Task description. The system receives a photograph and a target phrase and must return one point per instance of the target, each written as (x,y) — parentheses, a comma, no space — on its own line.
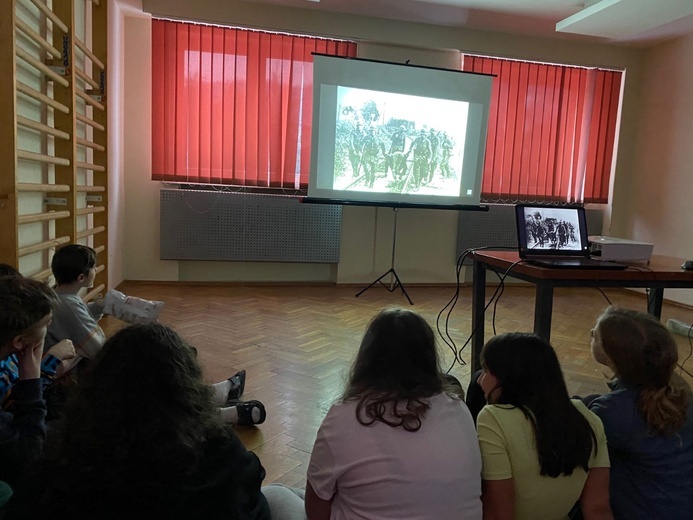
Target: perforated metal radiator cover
(215,225)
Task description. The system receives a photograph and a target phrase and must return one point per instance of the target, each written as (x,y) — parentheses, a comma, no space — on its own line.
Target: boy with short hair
(52,359)
(25,312)
(74,268)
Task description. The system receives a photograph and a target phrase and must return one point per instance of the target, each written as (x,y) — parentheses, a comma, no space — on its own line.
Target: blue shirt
(651,475)
(9,375)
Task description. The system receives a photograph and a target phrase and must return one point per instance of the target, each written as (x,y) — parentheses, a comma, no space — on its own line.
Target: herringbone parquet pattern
(297,344)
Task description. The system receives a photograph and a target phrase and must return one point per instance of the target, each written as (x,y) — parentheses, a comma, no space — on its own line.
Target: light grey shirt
(75,320)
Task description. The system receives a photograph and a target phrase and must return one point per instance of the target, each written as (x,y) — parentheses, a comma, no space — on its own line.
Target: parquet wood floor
(297,343)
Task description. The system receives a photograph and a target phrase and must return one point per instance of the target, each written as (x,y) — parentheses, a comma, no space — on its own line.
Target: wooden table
(661,273)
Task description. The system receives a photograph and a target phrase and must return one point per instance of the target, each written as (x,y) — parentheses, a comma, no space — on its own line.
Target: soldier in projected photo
(435,154)
(395,162)
(389,154)
(369,156)
(421,153)
(397,140)
(446,147)
(549,232)
(355,149)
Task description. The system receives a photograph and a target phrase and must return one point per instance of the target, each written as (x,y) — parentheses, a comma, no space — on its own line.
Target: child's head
(398,354)
(146,382)
(637,347)
(25,312)
(73,263)
(8,270)
(396,362)
(520,368)
(142,412)
(643,354)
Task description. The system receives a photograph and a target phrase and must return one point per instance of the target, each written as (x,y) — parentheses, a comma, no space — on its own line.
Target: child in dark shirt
(25,312)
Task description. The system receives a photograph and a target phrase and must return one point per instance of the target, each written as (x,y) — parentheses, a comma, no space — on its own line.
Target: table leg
(654,301)
(543,307)
(478,304)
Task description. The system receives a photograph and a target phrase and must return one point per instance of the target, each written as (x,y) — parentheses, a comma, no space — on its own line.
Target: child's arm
(96,308)
(72,320)
(60,359)
(9,374)
(23,432)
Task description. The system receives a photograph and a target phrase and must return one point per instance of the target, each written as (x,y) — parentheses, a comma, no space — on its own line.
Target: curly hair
(530,378)
(397,362)
(142,414)
(643,354)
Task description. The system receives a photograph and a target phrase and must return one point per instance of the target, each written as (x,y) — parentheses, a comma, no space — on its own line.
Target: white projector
(620,249)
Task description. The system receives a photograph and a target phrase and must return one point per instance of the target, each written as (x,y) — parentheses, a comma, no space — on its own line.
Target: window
(233,106)
(551,132)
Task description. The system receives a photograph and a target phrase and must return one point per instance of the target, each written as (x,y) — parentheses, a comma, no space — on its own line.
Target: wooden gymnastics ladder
(53,138)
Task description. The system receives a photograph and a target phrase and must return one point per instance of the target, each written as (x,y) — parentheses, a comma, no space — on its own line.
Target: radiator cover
(215,225)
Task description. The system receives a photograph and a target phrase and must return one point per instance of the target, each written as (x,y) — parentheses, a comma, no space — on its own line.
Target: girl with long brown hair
(647,416)
(399,444)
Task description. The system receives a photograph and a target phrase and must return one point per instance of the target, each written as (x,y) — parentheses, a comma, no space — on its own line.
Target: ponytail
(664,409)
(643,355)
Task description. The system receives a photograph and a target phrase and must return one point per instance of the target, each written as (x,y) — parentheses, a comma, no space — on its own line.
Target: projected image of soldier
(369,156)
(397,141)
(445,156)
(562,233)
(551,233)
(536,234)
(435,154)
(393,157)
(355,140)
(421,150)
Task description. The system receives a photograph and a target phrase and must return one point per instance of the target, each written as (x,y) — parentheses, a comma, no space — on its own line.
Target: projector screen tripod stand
(395,282)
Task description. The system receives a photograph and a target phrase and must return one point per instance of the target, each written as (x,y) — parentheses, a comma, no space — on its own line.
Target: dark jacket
(23,432)
(651,475)
(225,485)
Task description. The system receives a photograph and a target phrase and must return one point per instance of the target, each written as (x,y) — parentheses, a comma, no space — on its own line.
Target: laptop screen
(551,231)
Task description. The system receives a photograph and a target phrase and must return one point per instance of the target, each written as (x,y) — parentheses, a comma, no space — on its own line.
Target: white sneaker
(679,327)
(131,309)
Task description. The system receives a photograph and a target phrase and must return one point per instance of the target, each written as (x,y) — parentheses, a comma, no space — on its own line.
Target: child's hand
(63,350)
(29,361)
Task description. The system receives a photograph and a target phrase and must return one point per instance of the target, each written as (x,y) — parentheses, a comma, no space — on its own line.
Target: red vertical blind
(551,131)
(233,106)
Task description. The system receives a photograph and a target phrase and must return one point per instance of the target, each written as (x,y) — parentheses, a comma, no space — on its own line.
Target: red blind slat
(233,106)
(551,131)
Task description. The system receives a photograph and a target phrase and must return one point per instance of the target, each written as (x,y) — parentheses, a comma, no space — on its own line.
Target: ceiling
(636,22)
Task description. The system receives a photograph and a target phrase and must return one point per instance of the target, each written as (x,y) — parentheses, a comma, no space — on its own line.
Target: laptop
(555,236)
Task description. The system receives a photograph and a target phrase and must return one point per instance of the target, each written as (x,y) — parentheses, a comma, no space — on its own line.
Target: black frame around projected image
(396,134)
(394,205)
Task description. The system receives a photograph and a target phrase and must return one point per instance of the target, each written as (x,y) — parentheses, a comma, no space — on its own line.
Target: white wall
(426,239)
(662,179)
(116,180)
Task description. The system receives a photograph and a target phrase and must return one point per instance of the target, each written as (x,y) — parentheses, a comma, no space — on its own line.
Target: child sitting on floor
(61,352)
(25,311)
(74,268)
(647,416)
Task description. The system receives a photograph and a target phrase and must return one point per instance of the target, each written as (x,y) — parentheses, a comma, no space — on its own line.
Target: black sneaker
(245,412)
(237,386)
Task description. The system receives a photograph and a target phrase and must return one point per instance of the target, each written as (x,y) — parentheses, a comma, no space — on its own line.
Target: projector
(619,249)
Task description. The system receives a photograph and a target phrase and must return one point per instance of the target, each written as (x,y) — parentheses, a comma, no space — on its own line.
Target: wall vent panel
(214,225)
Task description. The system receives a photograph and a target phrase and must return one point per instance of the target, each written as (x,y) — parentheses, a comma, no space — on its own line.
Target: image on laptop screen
(548,231)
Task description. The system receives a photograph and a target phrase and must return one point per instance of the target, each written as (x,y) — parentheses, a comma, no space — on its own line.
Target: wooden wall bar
(53,126)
